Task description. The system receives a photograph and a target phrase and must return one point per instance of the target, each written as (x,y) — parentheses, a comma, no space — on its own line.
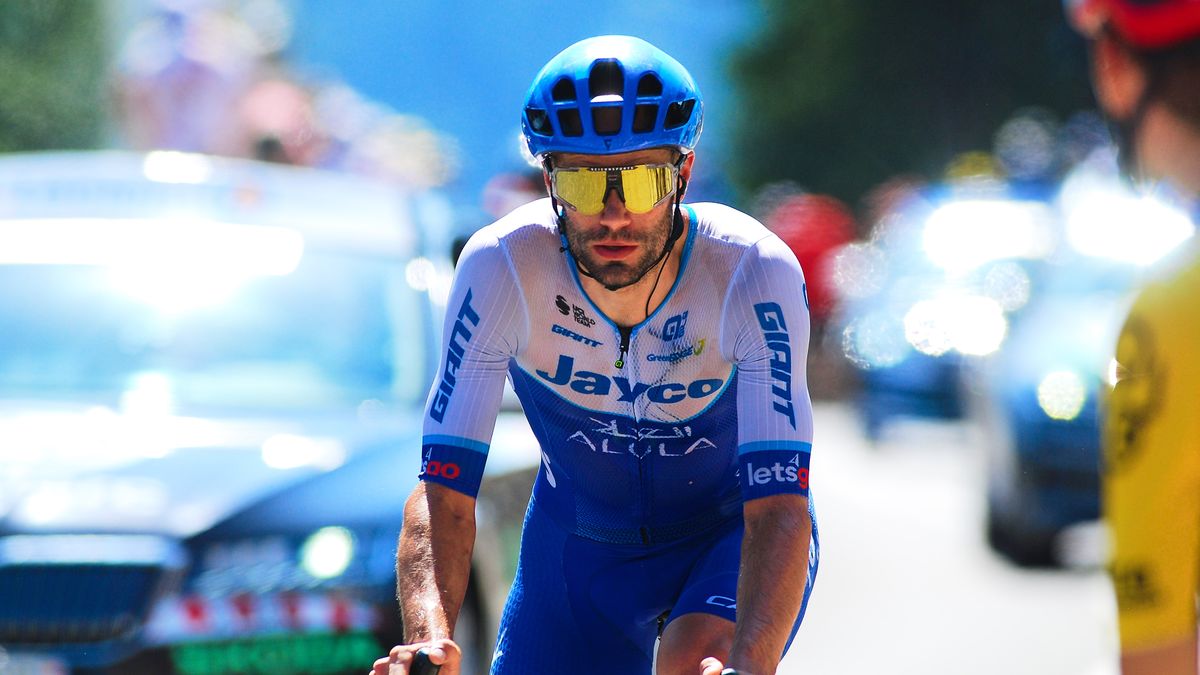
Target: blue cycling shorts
(580,606)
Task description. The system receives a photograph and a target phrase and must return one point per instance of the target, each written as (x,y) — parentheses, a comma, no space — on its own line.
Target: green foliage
(839,96)
(52,74)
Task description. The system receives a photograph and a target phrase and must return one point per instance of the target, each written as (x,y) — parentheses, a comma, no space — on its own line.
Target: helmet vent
(649,85)
(607,120)
(607,79)
(570,122)
(564,91)
(643,117)
(539,121)
(679,113)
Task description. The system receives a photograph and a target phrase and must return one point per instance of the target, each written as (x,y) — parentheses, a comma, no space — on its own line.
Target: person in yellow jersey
(1145,57)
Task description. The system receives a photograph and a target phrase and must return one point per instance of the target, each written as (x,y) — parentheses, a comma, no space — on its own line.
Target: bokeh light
(859,270)
(1061,395)
(874,340)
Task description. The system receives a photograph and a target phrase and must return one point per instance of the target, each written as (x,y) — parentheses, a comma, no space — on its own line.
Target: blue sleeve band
(791,446)
(467,443)
(458,468)
(772,472)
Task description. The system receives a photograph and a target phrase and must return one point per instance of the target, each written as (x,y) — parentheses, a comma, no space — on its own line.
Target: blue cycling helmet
(611,94)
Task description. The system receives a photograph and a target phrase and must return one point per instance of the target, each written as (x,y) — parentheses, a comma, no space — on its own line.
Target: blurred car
(937,282)
(212,378)
(1037,399)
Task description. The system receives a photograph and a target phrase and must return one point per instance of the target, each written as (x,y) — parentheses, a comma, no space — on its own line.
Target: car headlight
(276,563)
(327,553)
(1099,227)
(1061,395)
(962,235)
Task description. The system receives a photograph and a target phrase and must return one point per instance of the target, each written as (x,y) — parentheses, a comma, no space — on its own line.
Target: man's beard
(617,274)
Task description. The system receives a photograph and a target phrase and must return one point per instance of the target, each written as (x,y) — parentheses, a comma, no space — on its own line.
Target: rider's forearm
(433,561)
(771,582)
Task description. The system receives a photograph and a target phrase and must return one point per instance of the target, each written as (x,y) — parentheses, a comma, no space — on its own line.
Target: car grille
(88,596)
(56,604)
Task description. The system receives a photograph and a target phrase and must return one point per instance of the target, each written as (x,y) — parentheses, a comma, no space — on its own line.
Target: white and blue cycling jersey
(648,434)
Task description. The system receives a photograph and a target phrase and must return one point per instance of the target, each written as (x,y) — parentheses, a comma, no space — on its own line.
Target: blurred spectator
(1025,145)
(1146,72)
(506,191)
(405,150)
(206,76)
(278,124)
(814,227)
(1081,135)
(887,199)
(179,75)
(974,167)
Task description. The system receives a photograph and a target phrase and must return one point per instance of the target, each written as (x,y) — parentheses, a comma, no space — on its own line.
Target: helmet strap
(677,226)
(676,232)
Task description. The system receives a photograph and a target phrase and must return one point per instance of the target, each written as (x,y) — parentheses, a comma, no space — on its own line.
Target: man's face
(617,246)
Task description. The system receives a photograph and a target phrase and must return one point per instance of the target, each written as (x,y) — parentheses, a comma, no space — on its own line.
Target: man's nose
(614,211)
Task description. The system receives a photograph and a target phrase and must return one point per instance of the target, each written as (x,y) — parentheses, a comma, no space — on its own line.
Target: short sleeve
(1151,472)
(765,333)
(484,322)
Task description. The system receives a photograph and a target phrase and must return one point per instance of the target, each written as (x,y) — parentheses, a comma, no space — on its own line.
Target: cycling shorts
(580,606)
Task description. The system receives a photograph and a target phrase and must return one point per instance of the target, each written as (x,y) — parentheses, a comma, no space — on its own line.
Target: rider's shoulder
(738,236)
(531,222)
(723,223)
(742,240)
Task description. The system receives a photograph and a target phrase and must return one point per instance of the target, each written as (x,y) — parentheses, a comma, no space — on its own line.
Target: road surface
(907,584)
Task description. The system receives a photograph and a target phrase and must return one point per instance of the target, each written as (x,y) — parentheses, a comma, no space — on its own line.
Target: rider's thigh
(577,607)
(689,639)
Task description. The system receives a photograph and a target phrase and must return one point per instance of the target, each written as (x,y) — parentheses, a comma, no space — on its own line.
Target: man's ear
(685,171)
(1118,77)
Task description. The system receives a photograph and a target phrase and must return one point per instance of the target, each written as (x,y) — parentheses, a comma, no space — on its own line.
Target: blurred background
(227,233)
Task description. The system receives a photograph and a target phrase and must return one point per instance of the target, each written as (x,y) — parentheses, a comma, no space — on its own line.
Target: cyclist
(658,350)
(1146,72)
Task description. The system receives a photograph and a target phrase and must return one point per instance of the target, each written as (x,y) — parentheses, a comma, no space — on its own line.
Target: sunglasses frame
(613,181)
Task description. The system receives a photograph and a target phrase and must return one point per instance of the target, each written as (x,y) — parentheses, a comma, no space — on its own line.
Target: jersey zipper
(625,333)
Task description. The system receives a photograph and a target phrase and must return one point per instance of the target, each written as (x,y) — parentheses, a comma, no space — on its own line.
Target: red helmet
(1145,24)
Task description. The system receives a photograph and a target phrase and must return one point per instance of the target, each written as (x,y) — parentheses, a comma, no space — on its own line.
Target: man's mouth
(613,251)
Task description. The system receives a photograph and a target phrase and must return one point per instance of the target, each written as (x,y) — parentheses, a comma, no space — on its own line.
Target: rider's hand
(441,652)
(712,666)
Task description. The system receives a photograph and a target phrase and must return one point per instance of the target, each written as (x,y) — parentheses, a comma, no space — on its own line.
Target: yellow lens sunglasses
(642,186)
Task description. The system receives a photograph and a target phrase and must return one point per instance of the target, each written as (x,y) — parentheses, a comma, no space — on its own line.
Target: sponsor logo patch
(460,335)
(673,327)
(693,350)
(778,472)
(575,311)
(617,438)
(775,332)
(598,384)
(565,332)
(1135,586)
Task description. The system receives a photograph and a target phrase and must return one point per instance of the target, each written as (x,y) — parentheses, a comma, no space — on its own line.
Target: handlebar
(421,664)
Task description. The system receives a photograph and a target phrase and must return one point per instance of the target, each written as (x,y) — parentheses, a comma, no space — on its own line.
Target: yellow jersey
(1151,469)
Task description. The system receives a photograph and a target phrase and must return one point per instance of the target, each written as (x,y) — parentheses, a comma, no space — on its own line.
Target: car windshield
(321,333)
